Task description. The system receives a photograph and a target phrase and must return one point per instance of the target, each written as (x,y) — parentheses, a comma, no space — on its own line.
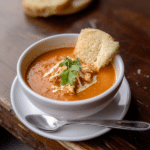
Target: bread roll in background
(95,47)
(44,8)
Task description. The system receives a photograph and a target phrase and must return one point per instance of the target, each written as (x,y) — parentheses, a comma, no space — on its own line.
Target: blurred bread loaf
(44,8)
(95,47)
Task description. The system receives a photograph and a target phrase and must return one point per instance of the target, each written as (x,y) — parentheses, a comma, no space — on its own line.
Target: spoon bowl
(45,122)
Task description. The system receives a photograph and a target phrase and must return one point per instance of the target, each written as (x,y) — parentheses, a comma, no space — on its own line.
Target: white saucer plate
(117,109)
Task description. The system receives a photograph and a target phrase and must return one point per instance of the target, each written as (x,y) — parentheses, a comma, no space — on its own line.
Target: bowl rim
(59,102)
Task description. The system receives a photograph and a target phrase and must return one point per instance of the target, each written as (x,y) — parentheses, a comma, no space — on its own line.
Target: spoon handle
(118,124)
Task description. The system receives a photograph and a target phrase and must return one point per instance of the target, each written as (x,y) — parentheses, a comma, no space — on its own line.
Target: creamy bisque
(35,79)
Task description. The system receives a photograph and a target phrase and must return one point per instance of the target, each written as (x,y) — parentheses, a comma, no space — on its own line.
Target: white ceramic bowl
(63,109)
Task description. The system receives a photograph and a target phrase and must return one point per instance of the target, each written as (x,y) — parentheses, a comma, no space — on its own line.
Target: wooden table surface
(128,21)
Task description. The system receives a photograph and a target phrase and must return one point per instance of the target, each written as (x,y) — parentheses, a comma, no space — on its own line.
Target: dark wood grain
(127,21)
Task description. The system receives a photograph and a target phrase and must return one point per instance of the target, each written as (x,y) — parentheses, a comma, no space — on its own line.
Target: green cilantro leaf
(77,62)
(72,77)
(75,68)
(67,62)
(69,76)
(64,76)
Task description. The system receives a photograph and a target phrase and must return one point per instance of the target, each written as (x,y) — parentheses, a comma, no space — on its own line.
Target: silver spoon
(49,123)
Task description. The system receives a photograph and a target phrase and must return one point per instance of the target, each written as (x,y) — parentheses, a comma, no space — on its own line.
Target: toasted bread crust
(95,47)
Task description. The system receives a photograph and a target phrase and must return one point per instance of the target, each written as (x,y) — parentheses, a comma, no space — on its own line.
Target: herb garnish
(69,76)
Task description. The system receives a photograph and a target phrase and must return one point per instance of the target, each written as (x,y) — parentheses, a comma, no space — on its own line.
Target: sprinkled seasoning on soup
(89,83)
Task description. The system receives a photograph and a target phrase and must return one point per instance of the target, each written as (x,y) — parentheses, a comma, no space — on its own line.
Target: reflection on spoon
(49,123)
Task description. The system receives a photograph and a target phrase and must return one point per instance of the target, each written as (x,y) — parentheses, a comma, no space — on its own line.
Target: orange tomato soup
(41,85)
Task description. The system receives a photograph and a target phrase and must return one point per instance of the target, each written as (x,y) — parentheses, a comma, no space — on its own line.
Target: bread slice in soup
(95,47)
